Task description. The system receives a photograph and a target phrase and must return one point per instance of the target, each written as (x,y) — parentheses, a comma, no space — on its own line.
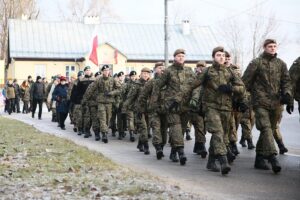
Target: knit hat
(62,78)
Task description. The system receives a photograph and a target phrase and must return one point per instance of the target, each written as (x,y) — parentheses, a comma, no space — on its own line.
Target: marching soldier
(107,88)
(269,83)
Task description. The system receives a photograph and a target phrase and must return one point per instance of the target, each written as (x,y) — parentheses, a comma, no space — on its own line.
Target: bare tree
(13,9)
(231,32)
(78,9)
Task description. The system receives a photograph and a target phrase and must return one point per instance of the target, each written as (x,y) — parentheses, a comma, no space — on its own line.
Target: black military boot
(275,164)
(113,133)
(196,148)
(243,142)
(260,163)
(140,146)
(173,155)
(250,144)
(224,165)
(104,137)
(211,164)
(132,138)
(146,148)
(187,134)
(97,135)
(230,156)
(234,148)
(282,148)
(182,157)
(202,150)
(162,149)
(159,152)
(80,132)
(120,136)
(87,133)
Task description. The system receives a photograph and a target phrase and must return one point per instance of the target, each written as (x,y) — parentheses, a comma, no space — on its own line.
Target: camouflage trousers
(266,122)
(235,120)
(90,118)
(104,113)
(247,123)
(217,123)
(159,126)
(78,120)
(130,120)
(142,130)
(177,123)
(200,131)
(277,134)
(113,119)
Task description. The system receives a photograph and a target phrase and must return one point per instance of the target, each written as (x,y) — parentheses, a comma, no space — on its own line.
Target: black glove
(290,108)
(286,99)
(107,94)
(173,105)
(243,107)
(227,89)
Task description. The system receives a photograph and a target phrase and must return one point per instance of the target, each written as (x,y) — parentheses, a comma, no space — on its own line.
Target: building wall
(21,69)
(2,68)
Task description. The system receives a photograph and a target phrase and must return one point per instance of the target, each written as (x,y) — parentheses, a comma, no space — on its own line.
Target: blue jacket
(60,96)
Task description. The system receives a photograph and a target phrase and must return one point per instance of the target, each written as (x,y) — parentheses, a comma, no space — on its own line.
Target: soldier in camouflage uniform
(130,116)
(90,117)
(132,102)
(235,113)
(295,76)
(77,94)
(51,104)
(106,89)
(220,86)
(196,115)
(151,99)
(73,78)
(121,117)
(269,83)
(247,123)
(115,106)
(177,79)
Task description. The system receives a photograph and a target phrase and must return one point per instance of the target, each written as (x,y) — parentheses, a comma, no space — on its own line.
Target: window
(40,70)
(69,71)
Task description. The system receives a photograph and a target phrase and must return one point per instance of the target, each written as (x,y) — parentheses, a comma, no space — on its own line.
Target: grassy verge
(37,165)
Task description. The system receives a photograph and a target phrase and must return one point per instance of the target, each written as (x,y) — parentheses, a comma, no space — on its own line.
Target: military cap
(269,41)
(115,75)
(158,64)
(179,51)
(146,69)
(215,50)
(80,73)
(120,74)
(97,74)
(86,68)
(227,54)
(29,77)
(132,73)
(104,67)
(201,64)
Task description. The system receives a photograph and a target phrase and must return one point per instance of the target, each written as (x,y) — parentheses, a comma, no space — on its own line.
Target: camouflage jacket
(106,89)
(151,98)
(211,78)
(131,102)
(177,80)
(295,76)
(267,78)
(92,101)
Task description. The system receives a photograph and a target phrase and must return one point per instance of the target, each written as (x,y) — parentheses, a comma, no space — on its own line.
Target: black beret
(97,74)
(104,67)
(132,73)
(120,74)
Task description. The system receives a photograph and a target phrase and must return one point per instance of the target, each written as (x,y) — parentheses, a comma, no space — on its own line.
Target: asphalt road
(244,182)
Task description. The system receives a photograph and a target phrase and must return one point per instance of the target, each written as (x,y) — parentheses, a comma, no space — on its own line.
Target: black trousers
(62,119)
(17,105)
(10,105)
(34,105)
(25,107)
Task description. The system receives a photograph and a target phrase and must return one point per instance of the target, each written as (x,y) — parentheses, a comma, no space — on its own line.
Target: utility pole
(166,35)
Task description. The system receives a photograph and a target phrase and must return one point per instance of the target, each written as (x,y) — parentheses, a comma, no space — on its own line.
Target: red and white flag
(93,55)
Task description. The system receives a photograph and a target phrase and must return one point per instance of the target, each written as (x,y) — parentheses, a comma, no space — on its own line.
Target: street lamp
(166,34)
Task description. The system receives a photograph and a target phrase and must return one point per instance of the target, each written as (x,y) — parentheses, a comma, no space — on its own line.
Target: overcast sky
(205,12)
